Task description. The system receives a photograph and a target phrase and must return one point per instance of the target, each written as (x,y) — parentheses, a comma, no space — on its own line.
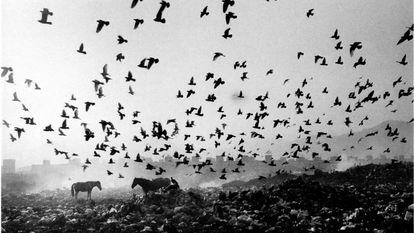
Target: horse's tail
(72,190)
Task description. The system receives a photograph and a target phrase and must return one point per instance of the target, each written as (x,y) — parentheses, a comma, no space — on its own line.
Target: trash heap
(301,204)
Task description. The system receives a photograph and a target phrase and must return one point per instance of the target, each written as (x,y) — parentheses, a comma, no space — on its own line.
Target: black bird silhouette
(5,70)
(406,37)
(310,13)
(209,76)
(347,121)
(227,34)
(87,161)
(190,92)
(158,17)
(134,3)
(179,95)
(149,167)
(15,98)
(130,91)
(335,35)
(5,123)
(100,93)
(244,77)
(104,73)
(338,46)
(119,57)
(300,54)
(354,46)
(121,40)
(64,125)
(403,61)
(317,58)
(111,161)
(129,77)
(150,62)
(192,83)
(19,131)
(218,82)
(204,12)
(230,15)
(28,82)
(217,55)
(48,128)
(10,78)
(88,105)
(399,80)
(61,133)
(24,108)
(138,159)
(81,49)
(339,61)
(101,24)
(12,138)
(226,4)
(361,61)
(269,72)
(324,62)
(45,14)
(138,22)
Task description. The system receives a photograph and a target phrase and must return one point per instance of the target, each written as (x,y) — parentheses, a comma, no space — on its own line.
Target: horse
(84,187)
(151,185)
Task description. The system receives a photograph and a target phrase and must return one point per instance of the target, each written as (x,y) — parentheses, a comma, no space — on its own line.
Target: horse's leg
(76,195)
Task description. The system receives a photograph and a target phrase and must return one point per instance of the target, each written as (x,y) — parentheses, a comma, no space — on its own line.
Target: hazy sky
(267,35)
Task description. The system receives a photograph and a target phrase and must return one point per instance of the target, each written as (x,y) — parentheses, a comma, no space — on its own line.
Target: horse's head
(98,184)
(138,181)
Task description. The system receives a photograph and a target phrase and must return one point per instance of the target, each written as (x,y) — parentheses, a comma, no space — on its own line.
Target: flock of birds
(362,95)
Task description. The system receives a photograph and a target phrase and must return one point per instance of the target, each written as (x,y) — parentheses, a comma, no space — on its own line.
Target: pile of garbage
(297,205)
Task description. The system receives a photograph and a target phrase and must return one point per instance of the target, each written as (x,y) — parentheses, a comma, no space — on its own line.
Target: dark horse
(84,187)
(151,185)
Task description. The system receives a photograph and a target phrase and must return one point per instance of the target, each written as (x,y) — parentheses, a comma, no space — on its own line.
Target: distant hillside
(393,173)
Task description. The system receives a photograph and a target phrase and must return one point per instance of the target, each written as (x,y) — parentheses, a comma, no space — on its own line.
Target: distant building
(46,162)
(195,159)
(9,166)
(219,161)
(75,162)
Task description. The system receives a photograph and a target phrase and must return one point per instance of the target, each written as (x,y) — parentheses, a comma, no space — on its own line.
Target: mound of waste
(300,204)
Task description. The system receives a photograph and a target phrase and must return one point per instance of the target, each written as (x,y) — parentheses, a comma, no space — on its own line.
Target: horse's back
(83,186)
(161,182)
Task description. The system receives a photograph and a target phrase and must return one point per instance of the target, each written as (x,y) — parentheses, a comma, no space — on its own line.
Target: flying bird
(406,37)
(81,49)
(121,40)
(45,14)
(135,2)
(310,13)
(403,60)
(204,12)
(101,24)
(138,22)
(217,55)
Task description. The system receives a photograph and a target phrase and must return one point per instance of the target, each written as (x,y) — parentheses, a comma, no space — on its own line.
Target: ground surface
(367,199)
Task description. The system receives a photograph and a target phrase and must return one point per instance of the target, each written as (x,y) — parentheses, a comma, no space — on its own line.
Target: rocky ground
(375,202)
